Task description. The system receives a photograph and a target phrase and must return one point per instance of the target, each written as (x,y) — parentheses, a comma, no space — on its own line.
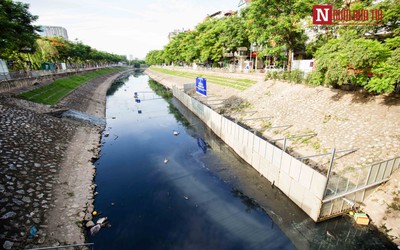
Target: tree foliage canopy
(367,55)
(205,44)
(17,31)
(19,41)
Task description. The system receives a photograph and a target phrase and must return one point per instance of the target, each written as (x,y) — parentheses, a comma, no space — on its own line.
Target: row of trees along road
(20,42)
(367,55)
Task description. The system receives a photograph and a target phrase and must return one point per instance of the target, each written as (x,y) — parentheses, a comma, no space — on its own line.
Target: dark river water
(204,197)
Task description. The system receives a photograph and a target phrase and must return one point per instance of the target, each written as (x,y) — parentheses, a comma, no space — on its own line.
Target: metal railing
(346,190)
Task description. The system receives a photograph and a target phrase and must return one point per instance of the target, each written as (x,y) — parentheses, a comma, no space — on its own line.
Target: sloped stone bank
(46,180)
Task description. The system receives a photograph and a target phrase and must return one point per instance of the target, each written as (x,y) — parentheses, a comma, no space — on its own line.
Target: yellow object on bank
(361,219)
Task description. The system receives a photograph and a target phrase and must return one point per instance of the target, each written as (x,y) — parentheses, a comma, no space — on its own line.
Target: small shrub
(274,75)
(296,76)
(285,75)
(314,78)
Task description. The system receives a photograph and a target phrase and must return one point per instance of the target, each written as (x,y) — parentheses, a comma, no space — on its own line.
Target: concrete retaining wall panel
(207,116)
(241,138)
(249,141)
(273,173)
(306,175)
(256,144)
(277,155)
(263,147)
(264,167)
(255,161)
(227,133)
(234,135)
(318,183)
(269,152)
(225,129)
(297,192)
(284,183)
(311,205)
(295,168)
(285,166)
(216,123)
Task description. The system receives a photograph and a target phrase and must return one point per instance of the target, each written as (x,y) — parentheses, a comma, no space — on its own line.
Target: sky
(125,27)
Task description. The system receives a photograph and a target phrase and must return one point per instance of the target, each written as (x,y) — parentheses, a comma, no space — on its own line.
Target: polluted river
(165,181)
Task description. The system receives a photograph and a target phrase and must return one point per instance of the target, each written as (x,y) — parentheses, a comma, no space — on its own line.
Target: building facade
(53,31)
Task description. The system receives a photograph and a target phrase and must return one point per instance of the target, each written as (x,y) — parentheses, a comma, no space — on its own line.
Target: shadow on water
(116,85)
(167,95)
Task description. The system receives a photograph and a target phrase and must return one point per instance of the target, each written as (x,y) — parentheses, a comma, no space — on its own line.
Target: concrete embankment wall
(302,184)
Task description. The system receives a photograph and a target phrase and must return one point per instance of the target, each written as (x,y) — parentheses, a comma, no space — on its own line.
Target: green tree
(17,32)
(276,26)
(190,52)
(154,57)
(235,33)
(348,59)
(387,73)
(390,17)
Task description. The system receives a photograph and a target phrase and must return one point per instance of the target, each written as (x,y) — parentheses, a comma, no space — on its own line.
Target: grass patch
(395,204)
(52,93)
(240,84)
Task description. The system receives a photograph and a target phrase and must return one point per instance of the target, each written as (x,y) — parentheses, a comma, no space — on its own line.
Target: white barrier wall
(302,184)
(305,66)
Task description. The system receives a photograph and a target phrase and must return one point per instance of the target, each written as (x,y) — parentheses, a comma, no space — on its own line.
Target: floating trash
(165,161)
(95,229)
(176,133)
(101,220)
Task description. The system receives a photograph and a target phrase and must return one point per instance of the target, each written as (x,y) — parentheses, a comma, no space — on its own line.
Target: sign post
(201,86)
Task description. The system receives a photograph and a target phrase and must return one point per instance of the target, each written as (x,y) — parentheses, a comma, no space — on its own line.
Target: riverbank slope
(340,119)
(46,186)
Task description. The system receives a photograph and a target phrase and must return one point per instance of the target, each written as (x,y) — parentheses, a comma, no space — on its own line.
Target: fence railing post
(329,170)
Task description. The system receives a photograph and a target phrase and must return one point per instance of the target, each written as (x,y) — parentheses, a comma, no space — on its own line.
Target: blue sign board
(201,86)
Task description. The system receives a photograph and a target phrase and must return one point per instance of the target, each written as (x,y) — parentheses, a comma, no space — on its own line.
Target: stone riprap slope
(32,146)
(46,169)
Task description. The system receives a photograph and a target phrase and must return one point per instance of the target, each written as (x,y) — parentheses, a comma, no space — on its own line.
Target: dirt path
(74,202)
